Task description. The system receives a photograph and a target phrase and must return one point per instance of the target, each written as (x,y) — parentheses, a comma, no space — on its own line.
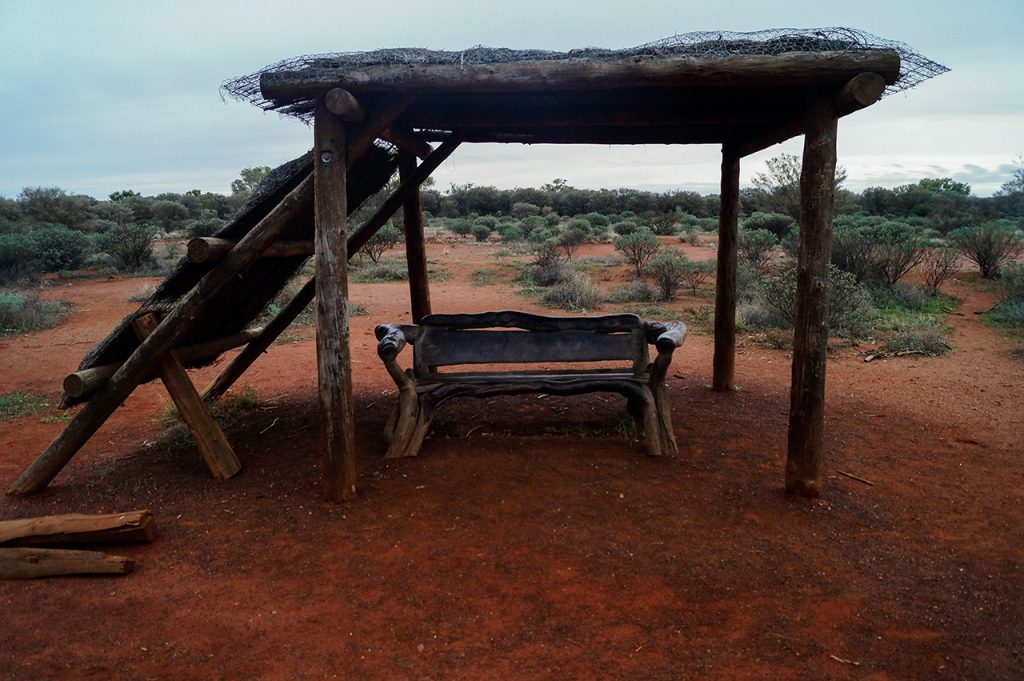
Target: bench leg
(663,409)
(411,424)
(652,437)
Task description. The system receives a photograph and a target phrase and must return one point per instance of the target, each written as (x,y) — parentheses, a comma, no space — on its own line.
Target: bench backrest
(521,338)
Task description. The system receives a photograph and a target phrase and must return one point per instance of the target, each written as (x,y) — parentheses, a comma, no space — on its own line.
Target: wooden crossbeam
(83,383)
(214,447)
(205,249)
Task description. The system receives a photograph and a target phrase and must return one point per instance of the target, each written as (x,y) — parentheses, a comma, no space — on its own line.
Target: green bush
(17,258)
(921,335)
(625,227)
(481,231)
(551,219)
(990,245)
(1010,308)
(637,248)
(665,224)
(547,267)
(522,210)
(574,235)
(530,224)
(487,220)
(130,245)
(776,223)
(207,226)
(510,232)
(848,306)
(574,291)
(58,248)
(598,220)
(382,271)
(460,226)
(938,266)
(21,313)
(386,238)
(666,268)
(696,273)
(755,247)
(636,291)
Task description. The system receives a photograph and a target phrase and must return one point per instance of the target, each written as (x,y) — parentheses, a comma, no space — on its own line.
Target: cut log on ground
(76,528)
(32,563)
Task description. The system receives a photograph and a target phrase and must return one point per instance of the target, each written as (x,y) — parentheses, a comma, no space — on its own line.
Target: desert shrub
(481,231)
(902,296)
(56,248)
(625,227)
(547,267)
(130,245)
(382,271)
(1009,309)
(488,220)
(386,238)
(923,334)
(207,226)
(17,258)
(938,266)
(530,224)
(21,312)
(776,223)
(989,245)
(666,268)
(637,248)
(853,251)
(598,220)
(460,226)
(521,210)
(848,306)
(791,243)
(636,291)
(551,219)
(574,291)
(575,234)
(755,247)
(663,223)
(696,273)
(898,249)
(510,232)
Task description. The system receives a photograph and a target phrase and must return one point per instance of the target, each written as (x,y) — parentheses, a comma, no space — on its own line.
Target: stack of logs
(21,555)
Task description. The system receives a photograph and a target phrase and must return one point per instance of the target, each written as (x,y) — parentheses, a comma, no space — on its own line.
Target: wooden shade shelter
(730,94)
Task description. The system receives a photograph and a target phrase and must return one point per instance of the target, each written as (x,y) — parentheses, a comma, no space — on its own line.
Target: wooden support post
(810,335)
(724,362)
(169,333)
(334,367)
(214,447)
(415,243)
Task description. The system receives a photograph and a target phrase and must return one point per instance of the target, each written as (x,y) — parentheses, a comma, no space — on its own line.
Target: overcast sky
(103,95)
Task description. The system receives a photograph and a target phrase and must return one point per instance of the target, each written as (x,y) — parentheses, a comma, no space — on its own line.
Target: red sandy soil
(530,539)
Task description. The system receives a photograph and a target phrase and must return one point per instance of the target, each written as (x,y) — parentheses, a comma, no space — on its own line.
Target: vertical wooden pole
(810,335)
(725,281)
(415,243)
(334,366)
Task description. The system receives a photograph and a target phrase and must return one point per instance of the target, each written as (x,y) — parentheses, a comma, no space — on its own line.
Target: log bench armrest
(666,336)
(392,338)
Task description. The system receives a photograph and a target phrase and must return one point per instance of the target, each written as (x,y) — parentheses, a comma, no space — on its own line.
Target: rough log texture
(86,382)
(334,365)
(210,249)
(32,563)
(415,242)
(76,528)
(406,140)
(378,119)
(859,92)
(724,362)
(585,74)
(345,106)
(542,339)
(144,361)
(810,335)
(214,447)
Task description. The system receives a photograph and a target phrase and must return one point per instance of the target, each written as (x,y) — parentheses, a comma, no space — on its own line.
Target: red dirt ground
(529,539)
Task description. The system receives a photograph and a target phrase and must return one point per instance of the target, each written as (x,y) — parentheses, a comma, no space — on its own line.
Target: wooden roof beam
(860,92)
(795,68)
(590,135)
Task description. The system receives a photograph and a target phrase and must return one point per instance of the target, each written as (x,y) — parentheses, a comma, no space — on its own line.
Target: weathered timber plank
(446,347)
(533,322)
(210,249)
(334,365)
(810,333)
(32,563)
(585,74)
(77,528)
(724,361)
(213,446)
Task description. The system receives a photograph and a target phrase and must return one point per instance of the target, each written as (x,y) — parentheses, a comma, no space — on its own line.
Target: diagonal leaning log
(143,362)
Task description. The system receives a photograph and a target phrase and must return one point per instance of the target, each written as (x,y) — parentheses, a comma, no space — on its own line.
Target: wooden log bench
(492,338)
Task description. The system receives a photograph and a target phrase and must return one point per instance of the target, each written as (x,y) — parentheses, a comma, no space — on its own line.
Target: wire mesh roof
(914,67)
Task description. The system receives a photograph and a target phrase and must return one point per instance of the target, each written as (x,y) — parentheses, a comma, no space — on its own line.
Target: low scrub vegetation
(24,312)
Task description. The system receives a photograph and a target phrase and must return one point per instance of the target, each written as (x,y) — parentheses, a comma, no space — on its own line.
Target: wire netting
(914,67)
